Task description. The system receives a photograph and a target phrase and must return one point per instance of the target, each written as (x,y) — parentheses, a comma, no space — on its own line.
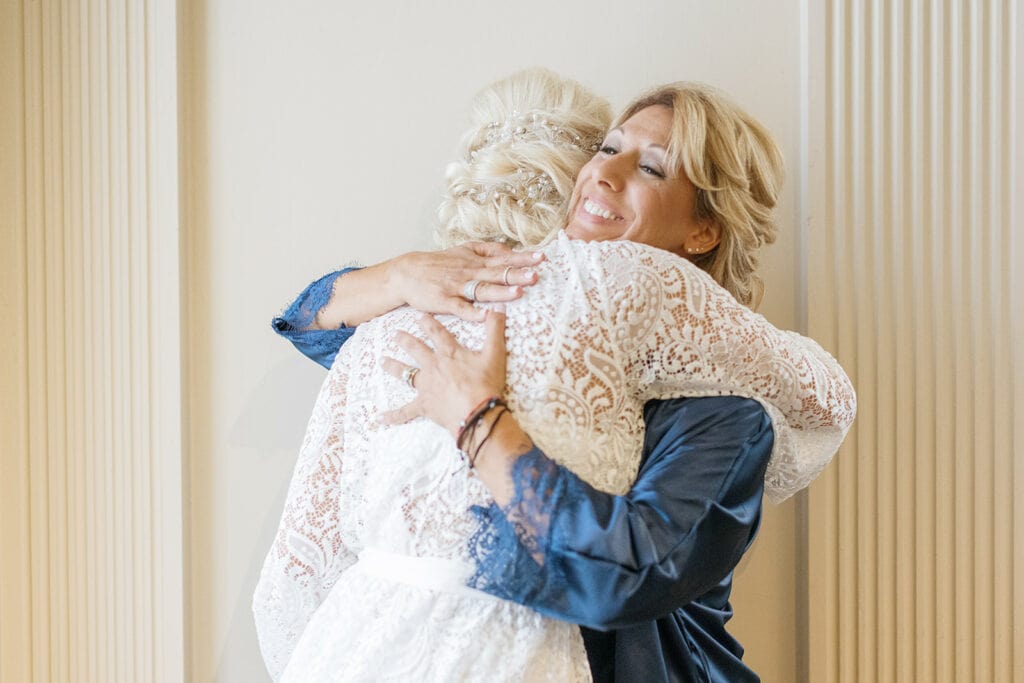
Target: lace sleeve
(683,334)
(314,541)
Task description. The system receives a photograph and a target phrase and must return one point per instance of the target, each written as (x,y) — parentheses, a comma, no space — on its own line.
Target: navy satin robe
(647,575)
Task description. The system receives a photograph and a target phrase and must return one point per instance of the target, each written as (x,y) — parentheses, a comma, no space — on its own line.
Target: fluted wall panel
(96,496)
(915,539)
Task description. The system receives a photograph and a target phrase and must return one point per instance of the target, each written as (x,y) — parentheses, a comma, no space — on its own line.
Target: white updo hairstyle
(529,136)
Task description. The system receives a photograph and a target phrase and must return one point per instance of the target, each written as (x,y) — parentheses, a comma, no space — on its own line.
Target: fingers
(503,284)
(491,293)
(494,328)
(401,415)
(393,367)
(419,351)
(501,255)
(444,343)
(510,275)
(465,310)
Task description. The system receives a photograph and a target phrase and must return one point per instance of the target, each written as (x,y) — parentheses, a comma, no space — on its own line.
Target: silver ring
(504,278)
(409,376)
(469,291)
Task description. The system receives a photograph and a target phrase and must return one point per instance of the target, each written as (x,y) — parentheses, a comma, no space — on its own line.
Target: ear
(705,238)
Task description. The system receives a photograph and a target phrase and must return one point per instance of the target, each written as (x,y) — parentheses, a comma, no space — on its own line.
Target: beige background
(174,171)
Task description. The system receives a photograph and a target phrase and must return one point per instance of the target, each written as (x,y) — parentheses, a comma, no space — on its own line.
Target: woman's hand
(451,379)
(434,281)
(431,281)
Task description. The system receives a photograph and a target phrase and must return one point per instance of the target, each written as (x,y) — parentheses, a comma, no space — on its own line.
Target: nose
(609,171)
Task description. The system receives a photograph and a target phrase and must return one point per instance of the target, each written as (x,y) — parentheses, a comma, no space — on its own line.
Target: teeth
(595,210)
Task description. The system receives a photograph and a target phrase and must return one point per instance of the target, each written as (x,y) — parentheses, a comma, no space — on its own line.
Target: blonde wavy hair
(738,170)
(529,136)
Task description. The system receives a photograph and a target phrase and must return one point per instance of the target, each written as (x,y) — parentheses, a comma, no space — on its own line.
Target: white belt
(432,573)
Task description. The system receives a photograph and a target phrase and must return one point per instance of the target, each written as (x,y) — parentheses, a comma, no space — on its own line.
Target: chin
(585,233)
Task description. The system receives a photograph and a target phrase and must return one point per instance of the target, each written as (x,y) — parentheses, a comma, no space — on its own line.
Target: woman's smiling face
(627,191)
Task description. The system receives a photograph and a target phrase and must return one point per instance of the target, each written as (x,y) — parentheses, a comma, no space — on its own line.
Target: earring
(692,250)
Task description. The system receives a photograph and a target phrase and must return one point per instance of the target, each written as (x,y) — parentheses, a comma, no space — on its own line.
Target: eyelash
(649,170)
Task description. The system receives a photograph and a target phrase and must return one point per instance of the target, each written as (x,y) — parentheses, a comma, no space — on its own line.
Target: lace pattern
(510,544)
(609,326)
(319,345)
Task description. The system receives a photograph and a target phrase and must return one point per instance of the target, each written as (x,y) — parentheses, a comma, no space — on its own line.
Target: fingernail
(529,274)
(537,255)
(499,308)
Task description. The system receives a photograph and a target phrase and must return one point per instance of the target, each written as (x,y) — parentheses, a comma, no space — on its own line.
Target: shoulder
(742,419)
(632,265)
(708,448)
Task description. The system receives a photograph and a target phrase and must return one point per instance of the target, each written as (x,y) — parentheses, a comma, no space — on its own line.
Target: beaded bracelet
(474,416)
(494,423)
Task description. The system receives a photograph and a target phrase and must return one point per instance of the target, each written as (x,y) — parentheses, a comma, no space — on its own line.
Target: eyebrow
(663,148)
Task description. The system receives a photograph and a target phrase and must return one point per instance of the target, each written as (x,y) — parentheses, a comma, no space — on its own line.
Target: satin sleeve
(320,346)
(604,561)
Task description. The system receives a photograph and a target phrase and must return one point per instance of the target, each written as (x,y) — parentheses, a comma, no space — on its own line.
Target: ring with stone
(504,278)
(409,376)
(469,291)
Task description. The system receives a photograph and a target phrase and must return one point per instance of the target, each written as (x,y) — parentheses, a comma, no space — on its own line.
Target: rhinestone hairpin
(528,187)
(520,126)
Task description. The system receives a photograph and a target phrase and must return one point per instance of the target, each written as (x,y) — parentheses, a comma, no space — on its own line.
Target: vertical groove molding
(916,533)
(15,575)
(91,575)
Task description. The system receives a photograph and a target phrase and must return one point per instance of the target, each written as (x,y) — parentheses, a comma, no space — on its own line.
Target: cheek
(577,187)
(665,221)
(660,210)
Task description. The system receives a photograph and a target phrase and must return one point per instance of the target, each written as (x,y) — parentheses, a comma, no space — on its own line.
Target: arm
(326,313)
(684,335)
(555,543)
(604,561)
(678,334)
(298,322)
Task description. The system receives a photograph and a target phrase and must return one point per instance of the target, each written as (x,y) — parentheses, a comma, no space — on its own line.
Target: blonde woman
(389,531)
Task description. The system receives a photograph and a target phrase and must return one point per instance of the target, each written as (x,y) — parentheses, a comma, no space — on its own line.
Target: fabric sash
(432,573)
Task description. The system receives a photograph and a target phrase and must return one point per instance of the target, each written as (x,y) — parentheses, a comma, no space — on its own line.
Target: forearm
(605,561)
(554,543)
(506,440)
(360,296)
(430,281)
(296,322)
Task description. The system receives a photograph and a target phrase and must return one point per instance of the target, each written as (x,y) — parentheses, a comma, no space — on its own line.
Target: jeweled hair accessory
(518,127)
(525,186)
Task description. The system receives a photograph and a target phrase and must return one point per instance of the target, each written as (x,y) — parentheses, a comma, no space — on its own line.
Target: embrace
(555,478)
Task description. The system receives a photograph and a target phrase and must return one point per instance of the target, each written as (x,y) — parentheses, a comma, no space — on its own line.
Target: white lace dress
(366,578)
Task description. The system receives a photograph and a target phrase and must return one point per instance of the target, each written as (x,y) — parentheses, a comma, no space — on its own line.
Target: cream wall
(316,133)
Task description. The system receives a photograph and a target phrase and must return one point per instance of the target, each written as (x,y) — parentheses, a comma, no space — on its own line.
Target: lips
(595,209)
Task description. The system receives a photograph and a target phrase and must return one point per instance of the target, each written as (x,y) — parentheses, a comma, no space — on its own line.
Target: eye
(651,170)
(608,149)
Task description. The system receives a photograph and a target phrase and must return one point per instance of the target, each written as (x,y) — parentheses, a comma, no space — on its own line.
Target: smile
(595,210)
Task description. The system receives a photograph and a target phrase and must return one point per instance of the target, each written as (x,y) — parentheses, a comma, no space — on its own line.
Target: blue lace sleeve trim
(510,549)
(320,346)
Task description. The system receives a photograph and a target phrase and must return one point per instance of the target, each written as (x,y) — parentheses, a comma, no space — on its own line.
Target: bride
(369,576)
